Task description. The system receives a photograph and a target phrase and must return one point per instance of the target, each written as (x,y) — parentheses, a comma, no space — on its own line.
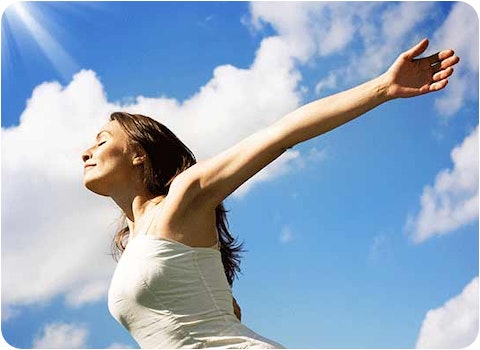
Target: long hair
(167,157)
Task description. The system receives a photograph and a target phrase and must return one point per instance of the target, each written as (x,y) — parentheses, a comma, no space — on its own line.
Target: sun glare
(31,19)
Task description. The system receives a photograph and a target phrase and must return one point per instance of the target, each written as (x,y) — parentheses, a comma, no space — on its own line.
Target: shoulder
(186,190)
(184,216)
(187,183)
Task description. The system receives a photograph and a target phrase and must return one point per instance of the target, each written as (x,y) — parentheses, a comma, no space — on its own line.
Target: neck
(135,204)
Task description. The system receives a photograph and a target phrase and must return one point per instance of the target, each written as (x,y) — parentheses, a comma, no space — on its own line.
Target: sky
(365,237)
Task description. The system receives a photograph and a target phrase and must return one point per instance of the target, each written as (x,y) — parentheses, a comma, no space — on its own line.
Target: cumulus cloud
(460,38)
(61,336)
(328,83)
(289,19)
(284,164)
(9,312)
(452,201)
(309,28)
(378,31)
(464,87)
(287,163)
(318,29)
(52,229)
(453,325)
(234,103)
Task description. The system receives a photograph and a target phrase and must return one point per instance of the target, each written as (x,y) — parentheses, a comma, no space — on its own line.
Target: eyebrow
(101,132)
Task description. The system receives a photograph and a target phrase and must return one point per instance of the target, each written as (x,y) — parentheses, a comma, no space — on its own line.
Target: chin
(95,186)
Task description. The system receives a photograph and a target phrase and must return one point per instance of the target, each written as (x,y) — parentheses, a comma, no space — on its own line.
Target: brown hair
(168,157)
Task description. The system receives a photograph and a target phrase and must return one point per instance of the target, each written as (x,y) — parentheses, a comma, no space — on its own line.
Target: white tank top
(170,295)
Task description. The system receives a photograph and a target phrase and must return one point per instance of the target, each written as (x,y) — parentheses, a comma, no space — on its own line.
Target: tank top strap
(217,244)
(155,211)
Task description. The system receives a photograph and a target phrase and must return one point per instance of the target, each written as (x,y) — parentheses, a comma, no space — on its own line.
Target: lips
(88,166)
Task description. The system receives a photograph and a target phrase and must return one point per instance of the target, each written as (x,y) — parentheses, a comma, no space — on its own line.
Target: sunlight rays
(22,14)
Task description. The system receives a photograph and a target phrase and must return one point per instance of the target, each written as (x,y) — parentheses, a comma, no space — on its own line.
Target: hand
(409,76)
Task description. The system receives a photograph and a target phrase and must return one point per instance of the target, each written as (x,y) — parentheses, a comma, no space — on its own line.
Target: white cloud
(61,336)
(286,236)
(281,166)
(319,29)
(289,20)
(88,293)
(464,40)
(455,96)
(316,155)
(461,38)
(453,200)
(379,31)
(234,103)
(453,325)
(52,229)
(309,28)
(9,312)
(330,83)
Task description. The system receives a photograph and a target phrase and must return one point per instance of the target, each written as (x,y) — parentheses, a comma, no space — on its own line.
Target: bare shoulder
(183,217)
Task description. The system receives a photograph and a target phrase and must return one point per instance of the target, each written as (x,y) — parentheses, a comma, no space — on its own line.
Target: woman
(172,284)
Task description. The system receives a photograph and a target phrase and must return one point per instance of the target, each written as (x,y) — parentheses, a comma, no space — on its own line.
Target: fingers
(416,50)
(445,65)
(443,74)
(445,54)
(443,59)
(439,56)
(440,79)
(444,70)
(439,85)
(449,61)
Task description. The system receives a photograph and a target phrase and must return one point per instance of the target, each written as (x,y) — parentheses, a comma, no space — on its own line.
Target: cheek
(114,159)
(111,165)
(107,178)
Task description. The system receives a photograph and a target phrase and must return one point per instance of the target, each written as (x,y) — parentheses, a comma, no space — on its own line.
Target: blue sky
(366,237)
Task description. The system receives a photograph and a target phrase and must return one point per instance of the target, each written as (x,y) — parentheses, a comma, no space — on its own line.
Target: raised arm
(407,77)
(214,179)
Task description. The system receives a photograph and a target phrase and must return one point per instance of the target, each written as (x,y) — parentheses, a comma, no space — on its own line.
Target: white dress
(170,295)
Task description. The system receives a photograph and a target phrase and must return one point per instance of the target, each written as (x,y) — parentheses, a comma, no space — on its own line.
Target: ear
(138,156)
(139,159)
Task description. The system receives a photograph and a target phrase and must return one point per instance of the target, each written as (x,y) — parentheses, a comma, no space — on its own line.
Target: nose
(86,155)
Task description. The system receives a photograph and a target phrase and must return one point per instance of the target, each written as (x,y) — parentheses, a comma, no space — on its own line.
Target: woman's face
(111,164)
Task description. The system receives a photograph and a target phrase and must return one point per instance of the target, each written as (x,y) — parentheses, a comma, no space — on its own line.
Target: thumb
(416,50)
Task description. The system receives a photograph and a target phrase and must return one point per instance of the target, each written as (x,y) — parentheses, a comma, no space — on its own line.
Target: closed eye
(101,143)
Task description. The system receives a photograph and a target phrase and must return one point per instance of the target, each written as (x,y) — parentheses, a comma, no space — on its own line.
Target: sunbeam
(22,13)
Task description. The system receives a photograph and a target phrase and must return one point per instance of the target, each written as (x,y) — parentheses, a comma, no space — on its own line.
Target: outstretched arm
(407,77)
(214,179)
